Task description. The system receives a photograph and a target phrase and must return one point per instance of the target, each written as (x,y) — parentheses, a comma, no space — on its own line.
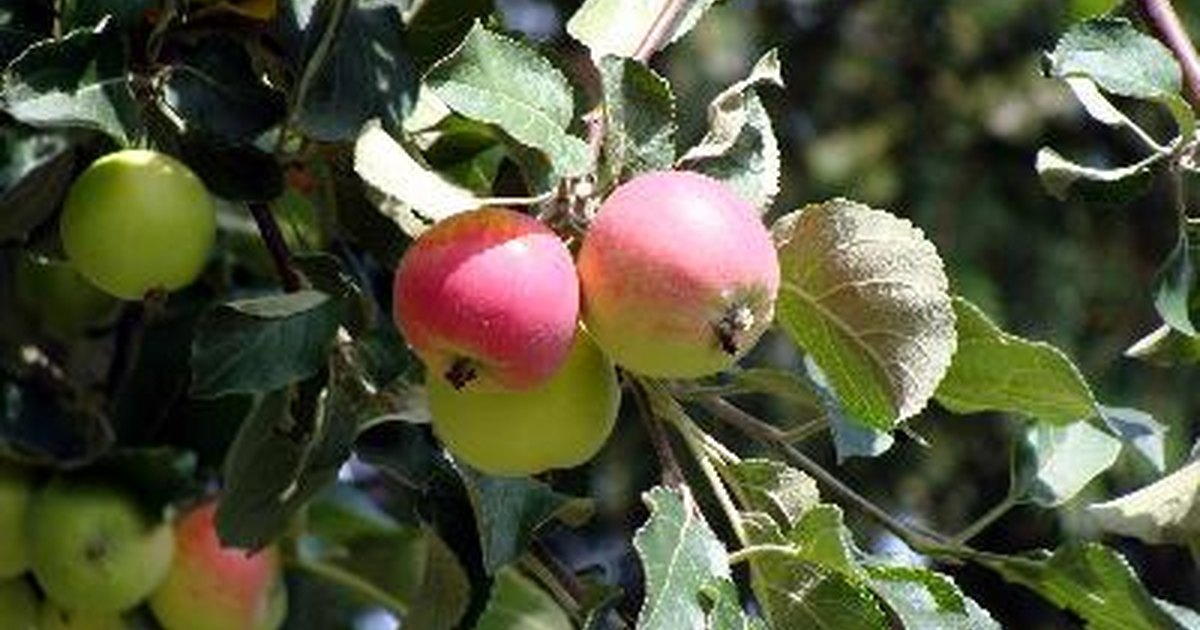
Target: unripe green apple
(54,617)
(16,488)
(558,424)
(210,587)
(92,549)
(18,605)
(62,303)
(679,275)
(489,299)
(137,221)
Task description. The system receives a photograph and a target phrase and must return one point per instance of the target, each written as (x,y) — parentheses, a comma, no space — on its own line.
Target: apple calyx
(742,312)
(461,372)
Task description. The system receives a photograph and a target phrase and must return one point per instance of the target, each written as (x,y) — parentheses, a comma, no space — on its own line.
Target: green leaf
(864,293)
(509,510)
(618,27)
(1175,291)
(680,556)
(639,115)
(797,593)
(726,608)
(501,81)
(289,449)
(1166,347)
(1140,432)
(821,537)
(1121,60)
(366,74)
(409,193)
(1092,581)
(1055,462)
(1166,511)
(236,172)
(784,385)
(158,475)
(517,603)
(926,599)
(127,13)
(996,371)
(76,81)
(740,147)
(214,87)
(771,487)
(262,344)
(445,591)
(36,169)
(851,437)
(434,27)
(22,24)
(1062,178)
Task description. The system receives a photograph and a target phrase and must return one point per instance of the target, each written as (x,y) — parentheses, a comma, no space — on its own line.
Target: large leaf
(36,169)
(680,556)
(1125,62)
(435,26)
(509,510)
(925,599)
(501,81)
(76,81)
(517,603)
(619,27)
(366,72)
(1092,581)
(996,371)
(1055,462)
(865,294)
(797,592)
(1121,60)
(262,344)
(215,88)
(1064,178)
(1167,510)
(639,117)
(740,147)
(288,450)
(411,194)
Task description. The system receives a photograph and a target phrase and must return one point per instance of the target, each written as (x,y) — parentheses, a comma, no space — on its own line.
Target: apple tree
(350,313)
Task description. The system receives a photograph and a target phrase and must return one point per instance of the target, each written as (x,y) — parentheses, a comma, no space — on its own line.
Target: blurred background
(935,109)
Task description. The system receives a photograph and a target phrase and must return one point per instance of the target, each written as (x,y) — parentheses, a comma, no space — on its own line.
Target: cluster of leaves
(358,123)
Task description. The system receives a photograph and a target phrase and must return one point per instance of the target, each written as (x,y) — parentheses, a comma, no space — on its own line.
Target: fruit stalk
(272,237)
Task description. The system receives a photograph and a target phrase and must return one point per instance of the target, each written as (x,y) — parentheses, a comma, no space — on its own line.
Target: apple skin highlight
(488,299)
(679,275)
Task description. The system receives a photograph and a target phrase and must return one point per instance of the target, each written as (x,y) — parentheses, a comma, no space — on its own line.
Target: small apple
(18,605)
(210,587)
(54,617)
(137,221)
(16,488)
(62,303)
(679,276)
(558,424)
(92,549)
(488,298)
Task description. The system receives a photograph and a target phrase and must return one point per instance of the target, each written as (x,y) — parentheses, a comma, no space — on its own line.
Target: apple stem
(462,371)
(278,248)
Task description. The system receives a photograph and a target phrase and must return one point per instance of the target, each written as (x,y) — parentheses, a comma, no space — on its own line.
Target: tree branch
(672,473)
(278,248)
(919,539)
(1161,17)
(659,30)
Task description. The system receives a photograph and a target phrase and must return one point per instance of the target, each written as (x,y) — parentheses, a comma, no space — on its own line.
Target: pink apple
(210,587)
(679,275)
(488,298)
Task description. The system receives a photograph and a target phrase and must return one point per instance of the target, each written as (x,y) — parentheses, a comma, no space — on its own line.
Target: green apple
(558,424)
(92,548)
(138,221)
(18,605)
(16,487)
(54,617)
(211,587)
(62,303)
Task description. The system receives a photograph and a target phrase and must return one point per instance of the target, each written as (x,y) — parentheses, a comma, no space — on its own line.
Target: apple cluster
(676,277)
(82,553)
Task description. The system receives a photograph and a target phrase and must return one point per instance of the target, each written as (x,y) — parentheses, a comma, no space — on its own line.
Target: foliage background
(935,109)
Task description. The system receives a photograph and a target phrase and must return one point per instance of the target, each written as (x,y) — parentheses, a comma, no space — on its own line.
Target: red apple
(210,587)
(488,298)
(679,275)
